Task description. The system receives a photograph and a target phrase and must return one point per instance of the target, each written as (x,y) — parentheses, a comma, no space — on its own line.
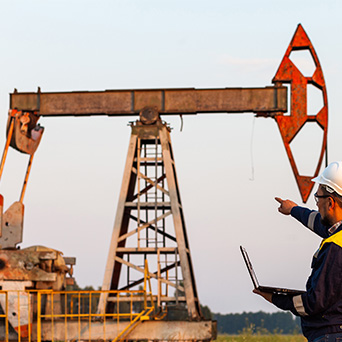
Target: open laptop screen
(255,281)
(249,267)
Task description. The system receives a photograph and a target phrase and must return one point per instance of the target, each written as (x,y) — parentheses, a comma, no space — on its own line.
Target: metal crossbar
(38,315)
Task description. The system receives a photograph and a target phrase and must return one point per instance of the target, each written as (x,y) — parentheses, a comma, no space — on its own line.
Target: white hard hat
(332,177)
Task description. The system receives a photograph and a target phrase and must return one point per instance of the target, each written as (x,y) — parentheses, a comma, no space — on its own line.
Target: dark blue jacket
(320,307)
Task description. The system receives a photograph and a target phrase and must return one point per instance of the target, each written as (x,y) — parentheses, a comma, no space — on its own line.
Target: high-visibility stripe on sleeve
(298,304)
(311,220)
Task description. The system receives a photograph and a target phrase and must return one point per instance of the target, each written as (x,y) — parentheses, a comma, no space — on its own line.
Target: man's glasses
(317,197)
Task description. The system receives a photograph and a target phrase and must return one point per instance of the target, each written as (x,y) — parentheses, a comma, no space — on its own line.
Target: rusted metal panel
(83,103)
(147,330)
(21,265)
(26,133)
(150,98)
(12,230)
(290,125)
(181,101)
(74,103)
(29,101)
(167,101)
(149,132)
(242,100)
(228,100)
(70,260)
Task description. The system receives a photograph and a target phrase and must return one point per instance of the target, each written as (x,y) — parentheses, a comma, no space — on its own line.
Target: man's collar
(334,227)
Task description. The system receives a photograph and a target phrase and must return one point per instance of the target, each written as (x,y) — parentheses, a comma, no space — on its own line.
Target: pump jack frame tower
(150,171)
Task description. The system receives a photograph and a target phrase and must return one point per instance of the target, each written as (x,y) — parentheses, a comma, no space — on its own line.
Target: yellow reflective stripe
(336,239)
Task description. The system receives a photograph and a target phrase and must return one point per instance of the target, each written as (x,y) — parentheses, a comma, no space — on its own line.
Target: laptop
(254,278)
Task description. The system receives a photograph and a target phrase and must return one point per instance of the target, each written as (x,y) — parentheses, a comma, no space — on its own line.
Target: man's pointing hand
(285,205)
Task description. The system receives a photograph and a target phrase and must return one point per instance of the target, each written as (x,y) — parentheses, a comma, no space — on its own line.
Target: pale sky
(72,194)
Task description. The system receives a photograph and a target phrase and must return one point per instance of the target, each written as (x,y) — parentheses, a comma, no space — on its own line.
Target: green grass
(260,338)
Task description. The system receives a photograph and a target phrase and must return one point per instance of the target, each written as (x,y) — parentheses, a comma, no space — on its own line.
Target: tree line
(257,322)
(244,323)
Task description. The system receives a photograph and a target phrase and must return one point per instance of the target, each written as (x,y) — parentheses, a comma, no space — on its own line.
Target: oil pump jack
(149,223)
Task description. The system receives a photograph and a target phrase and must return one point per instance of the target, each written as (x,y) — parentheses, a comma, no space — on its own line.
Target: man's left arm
(324,287)
(283,301)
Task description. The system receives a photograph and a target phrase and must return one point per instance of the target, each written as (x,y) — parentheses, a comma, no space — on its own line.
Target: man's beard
(325,221)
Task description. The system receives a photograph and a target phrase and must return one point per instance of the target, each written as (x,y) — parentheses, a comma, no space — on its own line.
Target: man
(320,307)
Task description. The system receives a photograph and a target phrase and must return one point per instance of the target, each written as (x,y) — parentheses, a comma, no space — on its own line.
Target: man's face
(323,206)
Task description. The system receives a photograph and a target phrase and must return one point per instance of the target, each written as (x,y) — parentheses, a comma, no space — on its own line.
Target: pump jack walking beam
(265,102)
(166,101)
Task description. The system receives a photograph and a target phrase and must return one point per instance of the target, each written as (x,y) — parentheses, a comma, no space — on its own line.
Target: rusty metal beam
(148,330)
(167,101)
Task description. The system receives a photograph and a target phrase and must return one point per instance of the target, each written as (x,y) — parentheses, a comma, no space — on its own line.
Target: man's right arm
(309,218)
